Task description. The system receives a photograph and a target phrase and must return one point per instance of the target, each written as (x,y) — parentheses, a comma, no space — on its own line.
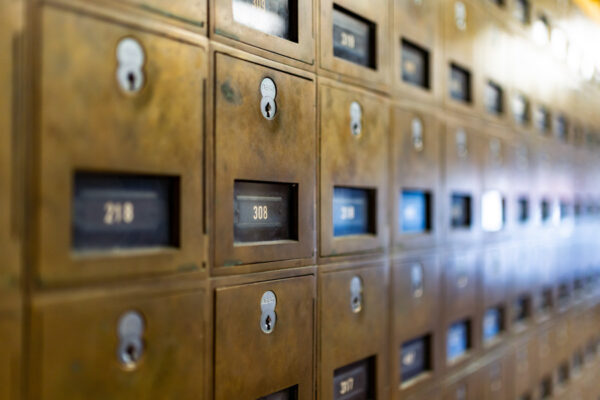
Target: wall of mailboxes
(271,199)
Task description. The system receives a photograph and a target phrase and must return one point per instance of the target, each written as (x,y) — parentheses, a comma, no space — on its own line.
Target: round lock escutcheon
(130,63)
(356,294)
(355,119)
(417,134)
(130,333)
(268,317)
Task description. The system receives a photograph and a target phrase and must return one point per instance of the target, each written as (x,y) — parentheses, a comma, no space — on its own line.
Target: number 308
(260,213)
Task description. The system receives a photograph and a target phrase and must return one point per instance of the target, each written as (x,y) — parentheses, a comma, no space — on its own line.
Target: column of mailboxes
(333,200)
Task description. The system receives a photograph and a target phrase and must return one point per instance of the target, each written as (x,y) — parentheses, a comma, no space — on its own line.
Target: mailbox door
(495,384)
(415,178)
(415,298)
(466,387)
(10,353)
(353,170)
(251,149)
(106,110)
(352,330)
(98,346)
(251,364)
(278,29)
(524,367)
(417,49)
(354,40)
(460,284)
(191,14)
(494,280)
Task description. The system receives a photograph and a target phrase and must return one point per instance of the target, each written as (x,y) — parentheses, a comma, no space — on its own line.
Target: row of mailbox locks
(131,325)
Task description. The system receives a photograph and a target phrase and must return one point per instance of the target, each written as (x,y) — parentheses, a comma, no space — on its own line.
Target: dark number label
(353,38)
(353,212)
(273,17)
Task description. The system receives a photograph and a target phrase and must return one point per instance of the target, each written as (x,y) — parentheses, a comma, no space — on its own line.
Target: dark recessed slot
(264,211)
(273,17)
(523,209)
(521,109)
(415,211)
(124,211)
(561,127)
(493,323)
(522,309)
(458,340)
(562,374)
(578,209)
(415,64)
(415,357)
(290,393)
(460,83)
(354,38)
(590,351)
(460,209)
(355,381)
(522,11)
(494,98)
(546,301)
(354,211)
(578,287)
(499,3)
(526,396)
(546,210)
(546,388)
(563,295)
(542,119)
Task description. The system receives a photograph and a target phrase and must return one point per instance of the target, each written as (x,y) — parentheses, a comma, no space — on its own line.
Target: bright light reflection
(492,211)
(574,58)
(540,32)
(558,40)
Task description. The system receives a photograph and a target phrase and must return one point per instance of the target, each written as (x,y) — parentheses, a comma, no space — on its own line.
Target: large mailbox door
(415,178)
(254,146)
(353,158)
(133,344)
(252,362)
(107,114)
(353,327)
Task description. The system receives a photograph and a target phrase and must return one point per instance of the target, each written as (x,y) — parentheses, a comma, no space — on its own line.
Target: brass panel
(250,147)
(494,273)
(11,45)
(192,14)
(10,352)
(460,285)
(523,369)
(249,363)
(356,161)
(346,336)
(417,22)
(94,126)
(416,164)
(545,360)
(467,386)
(420,304)
(375,11)
(75,345)
(225,28)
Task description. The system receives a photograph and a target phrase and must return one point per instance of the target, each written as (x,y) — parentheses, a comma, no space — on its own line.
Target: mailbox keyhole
(131,353)
(268,110)
(268,322)
(131,80)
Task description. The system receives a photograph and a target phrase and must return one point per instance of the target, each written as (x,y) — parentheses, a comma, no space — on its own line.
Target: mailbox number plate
(264,211)
(124,211)
(415,64)
(355,381)
(273,17)
(415,357)
(457,340)
(353,38)
(415,211)
(353,211)
(460,211)
(290,393)
(492,323)
(460,84)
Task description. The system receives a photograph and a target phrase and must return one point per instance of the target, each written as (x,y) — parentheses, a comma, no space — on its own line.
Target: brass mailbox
(494,376)
(417,47)
(353,170)
(265,164)
(189,14)
(460,282)
(523,368)
(125,197)
(415,178)
(263,340)
(96,345)
(462,182)
(494,306)
(282,30)
(352,334)
(354,41)
(416,284)
(466,386)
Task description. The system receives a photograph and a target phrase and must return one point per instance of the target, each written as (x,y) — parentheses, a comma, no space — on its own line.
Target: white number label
(348,40)
(260,213)
(118,213)
(348,212)
(346,386)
